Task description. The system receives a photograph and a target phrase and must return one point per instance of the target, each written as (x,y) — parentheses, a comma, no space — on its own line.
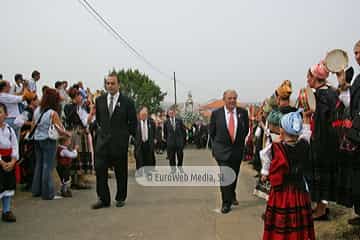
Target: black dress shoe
(225,208)
(354,221)
(235,202)
(99,205)
(120,204)
(324,217)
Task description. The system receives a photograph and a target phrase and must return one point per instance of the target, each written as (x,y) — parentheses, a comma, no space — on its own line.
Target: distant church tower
(189,104)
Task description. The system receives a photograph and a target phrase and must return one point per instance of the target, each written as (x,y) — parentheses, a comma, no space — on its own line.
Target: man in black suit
(229,126)
(144,142)
(116,119)
(175,135)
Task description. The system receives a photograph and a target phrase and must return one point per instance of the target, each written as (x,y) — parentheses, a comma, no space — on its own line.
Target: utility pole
(175,90)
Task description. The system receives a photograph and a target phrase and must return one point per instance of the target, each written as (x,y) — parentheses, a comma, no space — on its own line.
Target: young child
(64,160)
(9,154)
(288,213)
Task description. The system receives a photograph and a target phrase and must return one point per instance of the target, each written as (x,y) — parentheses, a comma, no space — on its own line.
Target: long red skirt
(288,215)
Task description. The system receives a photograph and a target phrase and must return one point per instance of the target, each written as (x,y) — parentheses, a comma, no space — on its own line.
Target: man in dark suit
(116,119)
(144,142)
(175,137)
(229,126)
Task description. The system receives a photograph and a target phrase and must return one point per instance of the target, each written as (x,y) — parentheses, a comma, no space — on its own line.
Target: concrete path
(151,213)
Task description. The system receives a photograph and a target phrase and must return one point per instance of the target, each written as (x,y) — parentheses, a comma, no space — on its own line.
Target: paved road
(150,213)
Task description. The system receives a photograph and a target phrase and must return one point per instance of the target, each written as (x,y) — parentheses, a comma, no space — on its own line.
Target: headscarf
(320,71)
(274,117)
(292,123)
(284,90)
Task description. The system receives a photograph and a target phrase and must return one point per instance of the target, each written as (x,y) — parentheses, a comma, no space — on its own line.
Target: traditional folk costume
(76,122)
(324,142)
(64,160)
(288,213)
(8,151)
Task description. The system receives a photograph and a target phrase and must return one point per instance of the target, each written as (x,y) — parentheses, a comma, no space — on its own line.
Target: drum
(306,100)
(336,60)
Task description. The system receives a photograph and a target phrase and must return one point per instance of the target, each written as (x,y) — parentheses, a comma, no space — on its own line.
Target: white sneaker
(56,197)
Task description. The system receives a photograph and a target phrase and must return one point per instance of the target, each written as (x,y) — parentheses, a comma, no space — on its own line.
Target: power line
(124,42)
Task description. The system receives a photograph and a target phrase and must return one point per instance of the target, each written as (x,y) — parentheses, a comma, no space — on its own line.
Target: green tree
(140,88)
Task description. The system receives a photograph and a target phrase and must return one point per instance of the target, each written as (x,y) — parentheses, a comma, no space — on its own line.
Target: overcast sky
(212,45)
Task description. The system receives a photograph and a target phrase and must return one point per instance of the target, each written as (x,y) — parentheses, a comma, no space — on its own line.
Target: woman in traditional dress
(288,213)
(77,120)
(324,142)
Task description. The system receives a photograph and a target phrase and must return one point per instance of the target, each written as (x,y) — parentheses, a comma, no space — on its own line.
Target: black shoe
(235,202)
(120,204)
(99,205)
(354,221)
(225,208)
(8,217)
(324,217)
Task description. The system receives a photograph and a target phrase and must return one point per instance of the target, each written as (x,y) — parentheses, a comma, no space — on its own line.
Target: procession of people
(307,154)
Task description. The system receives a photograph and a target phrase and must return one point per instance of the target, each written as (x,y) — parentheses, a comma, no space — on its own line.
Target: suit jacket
(355,97)
(112,136)
(138,137)
(174,138)
(222,146)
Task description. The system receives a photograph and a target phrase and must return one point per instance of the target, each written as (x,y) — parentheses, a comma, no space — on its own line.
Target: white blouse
(266,153)
(8,140)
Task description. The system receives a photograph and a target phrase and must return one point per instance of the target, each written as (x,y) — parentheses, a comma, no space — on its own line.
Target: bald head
(230,98)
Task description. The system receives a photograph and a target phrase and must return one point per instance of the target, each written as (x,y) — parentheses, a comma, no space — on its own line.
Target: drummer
(323,141)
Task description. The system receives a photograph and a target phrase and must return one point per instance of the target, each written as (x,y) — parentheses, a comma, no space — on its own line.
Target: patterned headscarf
(284,90)
(274,117)
(292,123)
(320,71)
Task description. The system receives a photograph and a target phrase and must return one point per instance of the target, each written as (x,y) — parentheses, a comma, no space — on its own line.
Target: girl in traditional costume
(8,157)
(288,213)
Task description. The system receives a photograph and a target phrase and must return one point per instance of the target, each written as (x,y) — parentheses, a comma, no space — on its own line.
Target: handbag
(53,131)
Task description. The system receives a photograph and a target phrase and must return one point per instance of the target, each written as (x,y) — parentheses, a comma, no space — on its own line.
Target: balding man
(144,142)
(229,125)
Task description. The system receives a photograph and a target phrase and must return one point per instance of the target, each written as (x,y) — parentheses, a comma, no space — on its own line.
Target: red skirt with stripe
(288,215)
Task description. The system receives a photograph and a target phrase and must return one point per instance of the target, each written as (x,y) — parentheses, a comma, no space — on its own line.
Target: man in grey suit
(229,126)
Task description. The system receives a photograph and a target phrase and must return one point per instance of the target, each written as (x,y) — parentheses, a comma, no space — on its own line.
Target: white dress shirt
(116,97)
(144,130)
(227,117)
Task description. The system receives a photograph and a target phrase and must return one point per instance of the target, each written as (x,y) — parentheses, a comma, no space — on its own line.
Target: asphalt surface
(190,213)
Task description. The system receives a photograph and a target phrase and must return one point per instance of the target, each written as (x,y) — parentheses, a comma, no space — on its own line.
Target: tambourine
(306,100)
(336,60)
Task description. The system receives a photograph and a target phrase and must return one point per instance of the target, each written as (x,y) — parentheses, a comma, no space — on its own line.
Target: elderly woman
(77,120)
(323,142)
(45,147)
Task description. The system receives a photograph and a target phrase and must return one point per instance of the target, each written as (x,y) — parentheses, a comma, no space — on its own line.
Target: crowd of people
(304,154)
(307,154)
(58,131)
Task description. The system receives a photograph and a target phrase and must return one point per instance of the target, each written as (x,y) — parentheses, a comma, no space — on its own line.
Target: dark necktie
(111,105)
